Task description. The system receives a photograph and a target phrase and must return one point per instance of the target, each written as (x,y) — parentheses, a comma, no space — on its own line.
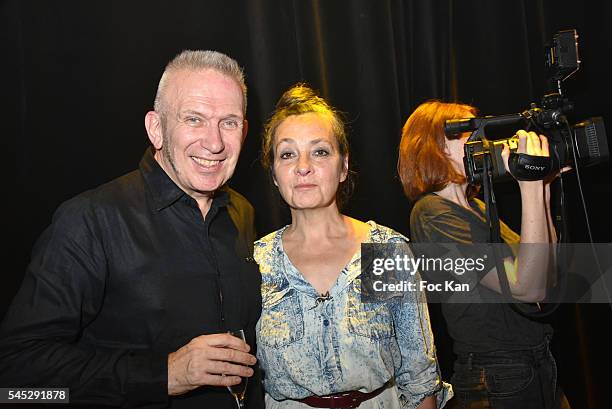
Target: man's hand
(205,359)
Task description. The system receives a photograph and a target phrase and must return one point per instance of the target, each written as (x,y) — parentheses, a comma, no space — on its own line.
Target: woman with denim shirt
(319,344)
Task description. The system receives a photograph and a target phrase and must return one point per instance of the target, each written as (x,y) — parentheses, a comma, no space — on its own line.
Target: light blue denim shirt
(307,348)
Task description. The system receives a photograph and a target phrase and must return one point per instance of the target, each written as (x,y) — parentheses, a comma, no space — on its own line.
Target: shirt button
(326,322)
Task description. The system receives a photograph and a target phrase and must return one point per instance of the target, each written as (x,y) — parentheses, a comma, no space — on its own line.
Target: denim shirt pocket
(282,322)
(372,319)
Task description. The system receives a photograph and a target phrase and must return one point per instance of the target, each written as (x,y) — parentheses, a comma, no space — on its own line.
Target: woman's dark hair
(423,165)
(298,100)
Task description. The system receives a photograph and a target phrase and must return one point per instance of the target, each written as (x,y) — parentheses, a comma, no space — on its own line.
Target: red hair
(423,165)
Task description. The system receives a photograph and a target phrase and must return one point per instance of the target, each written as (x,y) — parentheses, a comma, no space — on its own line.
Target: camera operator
(503,357)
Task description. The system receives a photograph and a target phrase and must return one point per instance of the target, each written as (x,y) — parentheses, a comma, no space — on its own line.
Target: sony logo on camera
(533,167)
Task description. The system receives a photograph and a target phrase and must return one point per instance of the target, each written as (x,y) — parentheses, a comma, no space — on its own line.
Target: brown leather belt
(343,400)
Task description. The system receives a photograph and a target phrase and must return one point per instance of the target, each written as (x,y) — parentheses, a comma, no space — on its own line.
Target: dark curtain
(79,76)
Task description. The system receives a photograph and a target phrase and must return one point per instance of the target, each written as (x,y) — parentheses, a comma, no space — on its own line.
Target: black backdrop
(79,76)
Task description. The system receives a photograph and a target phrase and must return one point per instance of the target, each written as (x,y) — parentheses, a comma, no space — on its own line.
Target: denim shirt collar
(297,281)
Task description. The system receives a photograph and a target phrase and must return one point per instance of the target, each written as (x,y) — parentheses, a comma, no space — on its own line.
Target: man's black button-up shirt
(125,274)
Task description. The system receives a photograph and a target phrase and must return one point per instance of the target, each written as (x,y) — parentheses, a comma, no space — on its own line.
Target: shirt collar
(295,278)
(163,189)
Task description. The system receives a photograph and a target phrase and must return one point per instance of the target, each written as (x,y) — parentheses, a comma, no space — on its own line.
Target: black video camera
(582,144)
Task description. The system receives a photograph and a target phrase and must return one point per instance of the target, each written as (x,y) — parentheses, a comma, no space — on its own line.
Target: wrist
(175,386)
(531,185)
(532,192)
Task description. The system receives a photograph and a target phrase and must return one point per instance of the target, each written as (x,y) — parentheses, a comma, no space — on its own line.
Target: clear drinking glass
(238,391)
